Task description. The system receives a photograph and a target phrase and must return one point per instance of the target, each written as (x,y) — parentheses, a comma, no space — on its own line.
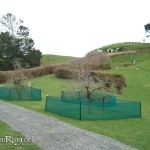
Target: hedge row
(108,79)
(102,66)
(117,79)
(105,66)
(30,73)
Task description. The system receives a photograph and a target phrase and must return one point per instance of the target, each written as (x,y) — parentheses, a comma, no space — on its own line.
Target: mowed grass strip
(6,130)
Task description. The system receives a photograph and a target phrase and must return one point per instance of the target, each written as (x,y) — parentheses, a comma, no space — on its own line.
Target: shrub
(93,66)
(40,71)
(90,66)
(2,77)
(105,66)
(30,73)
(64,73)
(109,79)
(120,83)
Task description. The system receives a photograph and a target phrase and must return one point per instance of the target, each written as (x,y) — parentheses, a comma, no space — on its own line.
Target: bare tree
(17,77)
(90,84)
(10,23)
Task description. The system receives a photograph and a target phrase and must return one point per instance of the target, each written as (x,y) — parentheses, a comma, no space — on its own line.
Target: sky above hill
(75,27)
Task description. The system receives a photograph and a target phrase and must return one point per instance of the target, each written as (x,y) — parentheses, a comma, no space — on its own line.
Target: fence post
(31,92)
(80,110)
(10,94)
(140,110)
(45,103)
(62,95)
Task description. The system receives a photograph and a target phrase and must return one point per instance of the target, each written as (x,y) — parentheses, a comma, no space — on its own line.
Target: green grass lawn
(5,130)
(135,132)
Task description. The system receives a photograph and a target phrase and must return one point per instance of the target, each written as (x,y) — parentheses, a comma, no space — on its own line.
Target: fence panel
(108,109)
(64,108)
(22,94)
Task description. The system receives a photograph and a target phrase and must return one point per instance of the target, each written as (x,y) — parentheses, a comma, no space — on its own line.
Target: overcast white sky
(75,27)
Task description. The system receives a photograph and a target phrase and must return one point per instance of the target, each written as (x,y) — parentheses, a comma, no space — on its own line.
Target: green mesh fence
(97,110)
(99,97)
(25,94)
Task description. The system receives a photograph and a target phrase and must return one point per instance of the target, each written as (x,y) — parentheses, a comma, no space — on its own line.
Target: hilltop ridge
(125,46)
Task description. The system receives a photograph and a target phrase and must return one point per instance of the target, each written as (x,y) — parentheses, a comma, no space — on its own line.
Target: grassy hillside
(127,46)
(54,59)
(142,60)
(135,132)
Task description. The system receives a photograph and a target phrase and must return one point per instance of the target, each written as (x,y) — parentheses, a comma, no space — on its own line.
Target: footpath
(52,134)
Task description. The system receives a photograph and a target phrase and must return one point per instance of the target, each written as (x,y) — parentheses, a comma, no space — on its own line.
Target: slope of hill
(54,59)
(136,59)
(126,46)
(134,132)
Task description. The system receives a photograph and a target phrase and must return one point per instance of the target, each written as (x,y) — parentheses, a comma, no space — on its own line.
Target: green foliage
(147,28)
(16,43)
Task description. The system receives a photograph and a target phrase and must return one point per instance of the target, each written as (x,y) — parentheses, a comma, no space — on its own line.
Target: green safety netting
(108,109)
(29,94)
(99,97)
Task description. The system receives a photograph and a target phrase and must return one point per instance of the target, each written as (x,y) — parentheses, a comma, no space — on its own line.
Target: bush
(109,79)
(64,73)
(93,66)
(2,77)
(30,73)
(120,83)
(40,71)
(105,66)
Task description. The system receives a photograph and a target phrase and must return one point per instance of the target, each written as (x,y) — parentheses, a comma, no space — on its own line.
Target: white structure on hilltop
(110,50)
(98,51)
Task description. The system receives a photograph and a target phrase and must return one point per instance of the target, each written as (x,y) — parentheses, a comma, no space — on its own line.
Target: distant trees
(147,28)
(16,43)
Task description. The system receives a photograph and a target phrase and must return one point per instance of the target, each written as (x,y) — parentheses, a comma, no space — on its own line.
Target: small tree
(17,77)
(89,83)
(147,29)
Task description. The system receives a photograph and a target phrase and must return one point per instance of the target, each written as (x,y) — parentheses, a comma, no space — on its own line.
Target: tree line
(15,43)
